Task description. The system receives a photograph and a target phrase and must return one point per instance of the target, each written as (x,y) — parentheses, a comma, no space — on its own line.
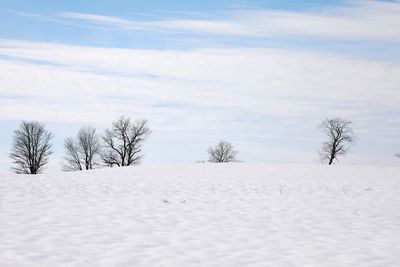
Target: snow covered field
(203,215)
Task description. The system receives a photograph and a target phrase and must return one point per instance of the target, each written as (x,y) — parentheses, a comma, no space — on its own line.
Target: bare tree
(72,159)
(340,137)
(398,155)
(222,152)
(82,151)
(31,148)
(123,142)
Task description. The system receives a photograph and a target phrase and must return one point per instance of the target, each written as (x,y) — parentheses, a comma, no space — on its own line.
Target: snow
(203,215)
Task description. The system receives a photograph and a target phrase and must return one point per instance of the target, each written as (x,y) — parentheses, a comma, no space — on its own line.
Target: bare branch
(222,152)
(123,142)
(82,152)
(31,148)
(340,137)
(72,160)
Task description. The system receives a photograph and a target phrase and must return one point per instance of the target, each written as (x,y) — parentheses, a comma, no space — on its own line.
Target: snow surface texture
(202,215)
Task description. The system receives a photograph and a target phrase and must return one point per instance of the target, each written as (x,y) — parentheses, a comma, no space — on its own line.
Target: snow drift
(202,215)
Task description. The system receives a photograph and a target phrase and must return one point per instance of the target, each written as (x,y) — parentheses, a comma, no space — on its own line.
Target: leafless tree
(398,155)
(82,151)
(222,152)
(123,142)
(340,137)
(31,148)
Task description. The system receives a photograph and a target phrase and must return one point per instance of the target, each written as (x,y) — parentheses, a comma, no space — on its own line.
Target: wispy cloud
(23,14)
(195,89)
(360,20)
(254,97)
(215,67)
(208,26)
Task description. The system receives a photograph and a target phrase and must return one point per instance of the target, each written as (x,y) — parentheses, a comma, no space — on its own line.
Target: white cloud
(270,81)
(262,95)
(266,101)
(188,24)
(359,20)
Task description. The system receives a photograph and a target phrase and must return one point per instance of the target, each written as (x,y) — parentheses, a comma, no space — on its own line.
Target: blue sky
(261,74)
(33,19)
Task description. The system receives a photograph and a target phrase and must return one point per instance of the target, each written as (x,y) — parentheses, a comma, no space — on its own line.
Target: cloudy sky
(260,74)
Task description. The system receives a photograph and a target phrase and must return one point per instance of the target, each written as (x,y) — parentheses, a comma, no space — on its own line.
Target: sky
(259,74)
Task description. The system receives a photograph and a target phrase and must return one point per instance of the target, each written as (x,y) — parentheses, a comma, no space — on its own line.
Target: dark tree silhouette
(340,136)
(82,151)
(222,152)
(31,148)
(123,142)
